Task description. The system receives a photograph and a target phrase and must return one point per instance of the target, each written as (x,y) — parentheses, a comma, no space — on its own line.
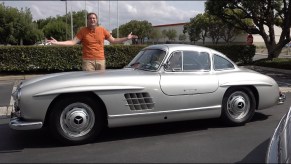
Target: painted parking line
(5,111)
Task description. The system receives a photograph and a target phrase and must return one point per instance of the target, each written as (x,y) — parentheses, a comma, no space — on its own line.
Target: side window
(222,63)
(193,61)
(175,62)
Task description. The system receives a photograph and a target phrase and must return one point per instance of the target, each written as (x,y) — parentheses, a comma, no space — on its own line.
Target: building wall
(179,27)
(240,39)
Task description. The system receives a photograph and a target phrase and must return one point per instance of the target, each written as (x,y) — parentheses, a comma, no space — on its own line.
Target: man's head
(92,20)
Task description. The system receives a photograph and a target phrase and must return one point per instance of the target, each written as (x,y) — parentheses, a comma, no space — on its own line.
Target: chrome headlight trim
(17,94)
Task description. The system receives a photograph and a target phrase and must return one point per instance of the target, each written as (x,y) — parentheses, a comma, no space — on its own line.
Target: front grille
(139,101)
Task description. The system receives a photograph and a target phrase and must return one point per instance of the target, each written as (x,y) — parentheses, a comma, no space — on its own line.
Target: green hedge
(281,63)
(58,58)
(242,54)
(24,59)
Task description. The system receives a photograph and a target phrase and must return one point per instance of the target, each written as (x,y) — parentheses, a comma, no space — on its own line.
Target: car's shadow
(258,154)
(12,140)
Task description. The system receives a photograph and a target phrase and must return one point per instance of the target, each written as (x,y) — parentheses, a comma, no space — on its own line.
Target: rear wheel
(76,120)
(238,106)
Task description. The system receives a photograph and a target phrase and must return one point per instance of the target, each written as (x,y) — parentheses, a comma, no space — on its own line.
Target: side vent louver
(139,101)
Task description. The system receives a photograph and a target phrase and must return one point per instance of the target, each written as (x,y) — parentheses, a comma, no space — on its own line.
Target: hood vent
(139,101)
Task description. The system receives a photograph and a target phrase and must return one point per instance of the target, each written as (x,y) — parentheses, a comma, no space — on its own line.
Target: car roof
(173,47)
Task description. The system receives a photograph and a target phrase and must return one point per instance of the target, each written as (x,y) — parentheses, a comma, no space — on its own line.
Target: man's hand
(52,41)
(130,36)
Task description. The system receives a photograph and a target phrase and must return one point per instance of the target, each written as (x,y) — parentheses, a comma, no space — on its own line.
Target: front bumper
(18,123)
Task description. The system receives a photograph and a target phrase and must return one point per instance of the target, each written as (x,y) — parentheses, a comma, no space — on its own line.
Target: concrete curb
(16,77)
(285,71)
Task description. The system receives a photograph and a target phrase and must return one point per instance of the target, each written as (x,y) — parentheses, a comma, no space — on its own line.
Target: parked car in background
(163,83)
(279,150)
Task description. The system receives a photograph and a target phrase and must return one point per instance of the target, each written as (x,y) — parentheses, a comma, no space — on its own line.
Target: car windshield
(149,60)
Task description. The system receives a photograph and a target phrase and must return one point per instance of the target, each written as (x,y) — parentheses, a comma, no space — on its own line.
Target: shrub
(281,63)
(25,59)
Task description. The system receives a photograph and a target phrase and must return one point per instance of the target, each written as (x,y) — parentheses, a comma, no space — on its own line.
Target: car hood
(88,81)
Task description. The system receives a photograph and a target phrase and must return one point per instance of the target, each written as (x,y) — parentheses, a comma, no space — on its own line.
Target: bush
(241,54)
(281,63)
(58,58)
(34,59)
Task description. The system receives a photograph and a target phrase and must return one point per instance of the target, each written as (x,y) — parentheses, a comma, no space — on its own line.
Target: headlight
(17,95)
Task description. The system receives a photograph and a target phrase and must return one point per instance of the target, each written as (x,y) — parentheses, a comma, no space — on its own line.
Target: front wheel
(238,106)
(76,120)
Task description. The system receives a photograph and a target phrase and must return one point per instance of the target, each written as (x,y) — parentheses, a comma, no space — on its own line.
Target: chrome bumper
(19,124)
(282,98)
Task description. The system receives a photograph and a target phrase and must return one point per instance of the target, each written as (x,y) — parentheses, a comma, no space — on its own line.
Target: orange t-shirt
(93,42)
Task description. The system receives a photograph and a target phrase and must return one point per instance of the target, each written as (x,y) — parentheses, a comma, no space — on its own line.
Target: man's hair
(91,14)
(95,15)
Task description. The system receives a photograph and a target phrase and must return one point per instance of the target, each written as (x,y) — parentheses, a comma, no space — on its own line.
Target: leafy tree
(140,28)
(215,29)
(194,33)
(229,33)
(164,34)
(171,34)
(78,20)
(265,14)
(155,35)
(16,26)
(56,29)
(197,28)
(8,17)
(182,37)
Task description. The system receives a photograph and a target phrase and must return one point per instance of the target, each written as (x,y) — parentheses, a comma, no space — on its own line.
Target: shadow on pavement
(258,154)
(13,141)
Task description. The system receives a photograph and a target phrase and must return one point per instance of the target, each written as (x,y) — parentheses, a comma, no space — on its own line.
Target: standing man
(92,38)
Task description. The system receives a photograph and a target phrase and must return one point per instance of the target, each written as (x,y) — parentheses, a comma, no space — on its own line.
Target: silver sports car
(163,83)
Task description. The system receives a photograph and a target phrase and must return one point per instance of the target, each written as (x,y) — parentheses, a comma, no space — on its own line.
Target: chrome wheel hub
(77,120)
(238,105)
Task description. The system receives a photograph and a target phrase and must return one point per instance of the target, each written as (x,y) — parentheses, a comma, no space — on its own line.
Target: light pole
(85,15)
(72,32)
(99,18)
(117,21)
(109,17)
(66,18)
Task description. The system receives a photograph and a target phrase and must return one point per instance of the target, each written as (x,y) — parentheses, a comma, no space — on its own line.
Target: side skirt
(150,116)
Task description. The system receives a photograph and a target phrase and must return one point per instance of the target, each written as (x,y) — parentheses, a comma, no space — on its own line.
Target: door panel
(188,83)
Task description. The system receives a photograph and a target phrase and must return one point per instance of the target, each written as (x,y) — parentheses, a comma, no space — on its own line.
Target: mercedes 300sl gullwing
(163,83)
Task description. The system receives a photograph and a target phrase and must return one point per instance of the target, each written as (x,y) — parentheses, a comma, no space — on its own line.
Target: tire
(238,106)
(76,120)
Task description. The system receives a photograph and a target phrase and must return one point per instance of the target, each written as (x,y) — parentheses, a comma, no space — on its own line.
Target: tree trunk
(274,51)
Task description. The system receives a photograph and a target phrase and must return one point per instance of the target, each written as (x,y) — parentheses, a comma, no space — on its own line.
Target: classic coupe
(163,83)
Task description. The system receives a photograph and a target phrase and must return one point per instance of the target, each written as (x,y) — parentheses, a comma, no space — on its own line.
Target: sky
(155,12)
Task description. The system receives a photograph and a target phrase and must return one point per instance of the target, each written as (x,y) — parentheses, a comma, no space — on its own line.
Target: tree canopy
(142,29)
(264,14)
(204,26)
(16,26)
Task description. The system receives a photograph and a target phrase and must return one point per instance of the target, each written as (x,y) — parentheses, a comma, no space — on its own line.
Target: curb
(285,71)
(16,77)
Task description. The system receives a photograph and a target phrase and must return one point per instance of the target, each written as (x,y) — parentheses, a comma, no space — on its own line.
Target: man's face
(92,21)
